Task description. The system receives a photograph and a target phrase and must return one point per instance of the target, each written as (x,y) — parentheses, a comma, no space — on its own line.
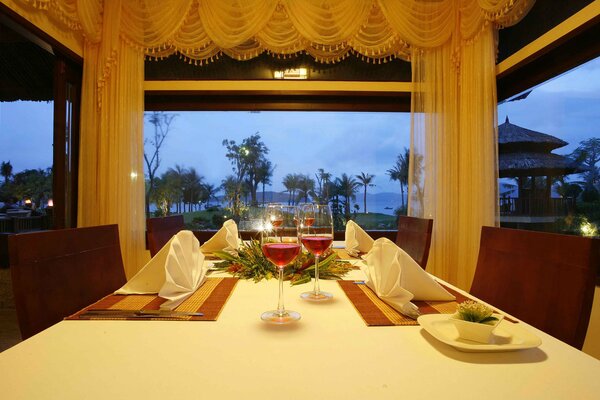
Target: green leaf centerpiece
(250,263)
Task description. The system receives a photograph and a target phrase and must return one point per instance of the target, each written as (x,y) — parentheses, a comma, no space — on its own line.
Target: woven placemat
(375,312)
(208,299)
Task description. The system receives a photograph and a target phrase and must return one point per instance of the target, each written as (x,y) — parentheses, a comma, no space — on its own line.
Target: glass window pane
(26,165)
(251,158)
(549,177)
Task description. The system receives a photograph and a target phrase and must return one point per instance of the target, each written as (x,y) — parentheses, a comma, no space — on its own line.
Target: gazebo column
(548,197)
(520,197)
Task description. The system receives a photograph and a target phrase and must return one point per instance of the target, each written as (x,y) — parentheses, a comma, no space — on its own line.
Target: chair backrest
(56,273)
(161,230)
(545,279)
(414,237)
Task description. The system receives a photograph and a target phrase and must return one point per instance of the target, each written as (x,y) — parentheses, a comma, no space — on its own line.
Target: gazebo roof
(535,164)
(513,138)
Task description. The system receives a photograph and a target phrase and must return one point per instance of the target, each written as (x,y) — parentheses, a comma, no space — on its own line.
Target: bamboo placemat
(375,312)
(208,299)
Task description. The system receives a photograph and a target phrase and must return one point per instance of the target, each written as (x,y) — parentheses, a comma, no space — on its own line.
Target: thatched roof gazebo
(525,154)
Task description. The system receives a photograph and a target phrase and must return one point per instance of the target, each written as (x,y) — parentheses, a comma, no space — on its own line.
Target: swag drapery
(450,43)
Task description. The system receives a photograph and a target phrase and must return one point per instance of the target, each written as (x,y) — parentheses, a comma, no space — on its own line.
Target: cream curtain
(453,173)
(451,44)
(111,175)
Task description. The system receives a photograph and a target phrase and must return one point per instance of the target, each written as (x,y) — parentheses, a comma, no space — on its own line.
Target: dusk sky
(301,142)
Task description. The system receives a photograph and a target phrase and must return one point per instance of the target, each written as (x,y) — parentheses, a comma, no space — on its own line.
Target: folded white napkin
(175,272)
(226,239)
(357,240)
(397,279)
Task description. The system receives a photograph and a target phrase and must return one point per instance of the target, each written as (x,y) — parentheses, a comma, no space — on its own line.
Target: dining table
(330,353)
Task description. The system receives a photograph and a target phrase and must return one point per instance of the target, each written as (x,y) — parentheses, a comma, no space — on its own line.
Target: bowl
(475,331)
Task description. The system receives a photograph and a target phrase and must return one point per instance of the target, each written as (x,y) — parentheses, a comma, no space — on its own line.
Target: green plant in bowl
(475,321)
(475,312)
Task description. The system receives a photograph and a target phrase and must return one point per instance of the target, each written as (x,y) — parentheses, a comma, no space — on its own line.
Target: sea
(383,203)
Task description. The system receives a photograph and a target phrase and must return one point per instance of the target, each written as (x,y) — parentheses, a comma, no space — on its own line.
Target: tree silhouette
(246,160)
(347,188)
(306,187)
(173,178)
(6,171)
(192,188)
(399,172)
(587,154)
(365,180)
(162,125)
(324,183)
(210,192)
(263,176)
(291,182)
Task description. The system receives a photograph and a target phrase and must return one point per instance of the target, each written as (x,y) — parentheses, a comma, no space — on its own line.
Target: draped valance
(328,30)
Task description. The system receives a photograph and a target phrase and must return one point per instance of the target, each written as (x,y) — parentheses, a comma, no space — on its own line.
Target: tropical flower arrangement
(472,311)
(250,263)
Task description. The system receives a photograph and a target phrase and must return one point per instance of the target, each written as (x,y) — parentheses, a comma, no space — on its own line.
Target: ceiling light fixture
(292,73)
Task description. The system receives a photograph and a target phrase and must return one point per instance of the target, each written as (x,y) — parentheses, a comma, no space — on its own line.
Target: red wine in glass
(281,254)
(316,234)
(317,244)
(280,245)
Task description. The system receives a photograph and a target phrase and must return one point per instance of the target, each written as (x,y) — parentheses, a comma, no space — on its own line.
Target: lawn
(212,219)
(376,221)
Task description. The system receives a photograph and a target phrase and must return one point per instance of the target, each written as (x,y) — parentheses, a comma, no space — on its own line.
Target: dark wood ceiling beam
(575,47)
(277,100)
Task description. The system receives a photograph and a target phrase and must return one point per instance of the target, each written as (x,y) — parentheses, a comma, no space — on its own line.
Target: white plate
(507,336)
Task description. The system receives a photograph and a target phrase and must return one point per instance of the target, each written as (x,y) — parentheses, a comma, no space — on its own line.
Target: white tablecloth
(329,354)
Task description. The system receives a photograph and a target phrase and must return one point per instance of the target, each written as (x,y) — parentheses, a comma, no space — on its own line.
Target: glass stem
(317,290)
(280,307)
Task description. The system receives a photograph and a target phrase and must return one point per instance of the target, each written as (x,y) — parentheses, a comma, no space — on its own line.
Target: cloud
(299,142)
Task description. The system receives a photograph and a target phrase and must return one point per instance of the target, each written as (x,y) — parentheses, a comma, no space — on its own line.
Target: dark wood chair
(161,230)
(545,279)
(414,237)
(56,273)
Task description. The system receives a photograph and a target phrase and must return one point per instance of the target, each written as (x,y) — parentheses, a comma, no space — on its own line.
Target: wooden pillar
(548,210)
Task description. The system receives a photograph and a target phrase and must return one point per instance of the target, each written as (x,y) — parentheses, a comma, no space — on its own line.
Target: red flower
(233,268)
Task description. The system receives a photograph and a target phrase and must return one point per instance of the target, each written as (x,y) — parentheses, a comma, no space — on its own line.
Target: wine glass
(251,222)
(316,233)
(281,246)
(307,215)
(273,216)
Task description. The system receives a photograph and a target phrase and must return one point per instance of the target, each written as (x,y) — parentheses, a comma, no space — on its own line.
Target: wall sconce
(50,203)
(294,73)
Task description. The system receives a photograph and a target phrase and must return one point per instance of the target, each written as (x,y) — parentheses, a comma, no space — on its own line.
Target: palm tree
(347,188)
(365,180)
(229,186)
(175,175)
(210,191)
(192,187)
(323,180)
(6,171)
(290,181)
(399,172)
(264,173)
(306,187)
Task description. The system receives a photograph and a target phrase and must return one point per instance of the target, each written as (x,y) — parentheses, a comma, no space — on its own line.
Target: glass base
(314,296)
(273,317)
